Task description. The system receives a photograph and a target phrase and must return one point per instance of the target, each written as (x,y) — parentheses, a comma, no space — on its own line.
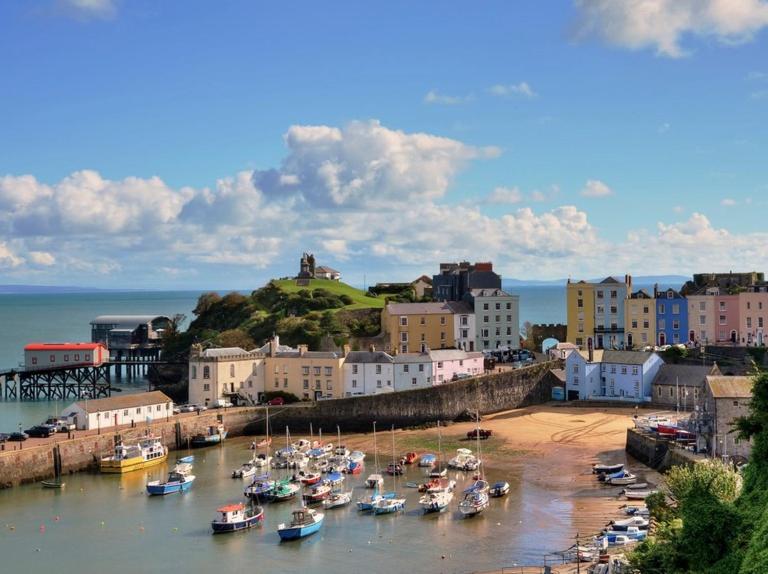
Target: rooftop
(490,293)
(124,402)
(126,320)
(419,308)
(684,375)
(223,352)
(626,357)
(722,387)
(369,357)
(62,346)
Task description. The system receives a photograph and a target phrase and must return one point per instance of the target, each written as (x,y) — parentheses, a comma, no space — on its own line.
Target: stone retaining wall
(658,453)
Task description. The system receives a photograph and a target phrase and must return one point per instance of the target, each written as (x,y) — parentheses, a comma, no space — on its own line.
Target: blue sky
(197,144)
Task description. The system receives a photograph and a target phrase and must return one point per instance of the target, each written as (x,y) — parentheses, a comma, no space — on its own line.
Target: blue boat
(176,482)
(186,459)
(428,460)
(214,435)
(306,521)
(262,488)
(367,503)
(334,479)
(235,517)
(499,489)
(477,486)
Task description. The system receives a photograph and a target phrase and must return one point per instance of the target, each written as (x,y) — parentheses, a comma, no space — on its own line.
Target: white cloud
(8,259)
(728,202)
(661,24)
(502,195)
(519,89)
(596,188)
(434,97)
(89,9)
(42,258)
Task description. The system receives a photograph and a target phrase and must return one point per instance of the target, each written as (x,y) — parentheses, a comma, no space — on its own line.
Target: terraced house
(671,318)
(639,320)
(596,312)
(418,327)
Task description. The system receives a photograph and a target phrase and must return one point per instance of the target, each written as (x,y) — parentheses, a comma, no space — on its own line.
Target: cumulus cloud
(8,259)
(661,24)
(519,89)
(505,195)
(434,97)
(42,258)
(596,188)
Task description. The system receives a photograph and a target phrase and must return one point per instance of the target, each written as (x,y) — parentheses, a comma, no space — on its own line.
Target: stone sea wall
(658,453)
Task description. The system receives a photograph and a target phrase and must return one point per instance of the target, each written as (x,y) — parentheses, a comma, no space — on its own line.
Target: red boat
(353,468)
(667,430)
(435,482)
(308,478)
(409,458)
(318,493)
(394,469)
(264,442)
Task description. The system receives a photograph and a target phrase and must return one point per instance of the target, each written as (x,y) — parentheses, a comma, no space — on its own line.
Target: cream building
(225,374)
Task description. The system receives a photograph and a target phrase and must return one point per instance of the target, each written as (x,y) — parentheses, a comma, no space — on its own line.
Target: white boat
(628,478)
(473,503)
(246,470)
(262,460)
(637,521)
(375,480)
(436,501)
(337,499)
(388,505)
(637,494)
(463,459)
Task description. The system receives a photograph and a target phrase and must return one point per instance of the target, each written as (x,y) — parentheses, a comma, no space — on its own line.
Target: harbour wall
(491,393)
(658,453)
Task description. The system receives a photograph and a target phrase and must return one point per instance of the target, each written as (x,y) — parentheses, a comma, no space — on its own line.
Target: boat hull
(210,440)
(223,527)
(129,464)
(299,532)
(169,487)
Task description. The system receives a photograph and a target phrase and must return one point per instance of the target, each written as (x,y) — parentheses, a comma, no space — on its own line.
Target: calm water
(116,527)
(67,317)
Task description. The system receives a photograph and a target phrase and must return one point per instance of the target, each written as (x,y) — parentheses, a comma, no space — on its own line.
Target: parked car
(222,403)
(176,409)
(277,401)
(39,431)
(4,437)
(65,425)
(484,433)
(52,427)
(18,436)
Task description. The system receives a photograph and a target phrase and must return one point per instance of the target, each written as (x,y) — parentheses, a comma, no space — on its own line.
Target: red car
(484,433)
(276,401)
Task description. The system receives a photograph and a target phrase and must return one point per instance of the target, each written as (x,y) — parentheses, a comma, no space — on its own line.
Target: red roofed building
(55,355)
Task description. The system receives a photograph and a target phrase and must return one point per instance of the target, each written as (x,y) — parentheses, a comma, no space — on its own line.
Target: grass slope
(361,300)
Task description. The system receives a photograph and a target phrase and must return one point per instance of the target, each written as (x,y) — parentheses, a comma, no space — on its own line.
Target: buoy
(56,518)
(141,529)
(42,529)
(443,557)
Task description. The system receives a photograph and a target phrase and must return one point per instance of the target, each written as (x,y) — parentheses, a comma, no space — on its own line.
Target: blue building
(671,317)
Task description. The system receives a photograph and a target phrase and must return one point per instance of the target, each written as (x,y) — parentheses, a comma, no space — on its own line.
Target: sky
(195,145)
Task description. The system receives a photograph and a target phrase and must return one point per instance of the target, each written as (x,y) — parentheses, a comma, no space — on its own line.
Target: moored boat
(179,480)
(473,503)
(365,504)
(607,468)
(246,470)
(479,485)
(213,435)
(499,489)
(388,505)
(436,501)
(409,458)
(374,481)
(261,488)
(337,499)
(394,469)
(284,490)
(186,459)
(334,479)
(464,460)
(148,452)
(56,483)
(627,478)
(317,493)
(235,517)
(637,494)
(305,521)
(427,460)
(307,478)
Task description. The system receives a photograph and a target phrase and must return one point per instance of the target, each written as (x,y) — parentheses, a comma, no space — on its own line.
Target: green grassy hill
(361,300)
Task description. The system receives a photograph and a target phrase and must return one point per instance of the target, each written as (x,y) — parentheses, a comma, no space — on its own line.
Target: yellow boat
(148,452)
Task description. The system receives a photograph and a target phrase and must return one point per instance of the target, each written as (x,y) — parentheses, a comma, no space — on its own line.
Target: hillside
(361,300)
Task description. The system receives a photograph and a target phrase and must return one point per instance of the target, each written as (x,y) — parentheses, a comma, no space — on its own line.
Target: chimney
(628,281)
(345,350)
(274,344)
(303,350)
(372,348)
(590,350)
(655,290)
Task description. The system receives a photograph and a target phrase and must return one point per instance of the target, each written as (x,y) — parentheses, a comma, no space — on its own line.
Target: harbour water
(101,523)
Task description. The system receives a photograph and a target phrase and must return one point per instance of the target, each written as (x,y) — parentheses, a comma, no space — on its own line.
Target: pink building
(727,318)
(450,363)
(753,315)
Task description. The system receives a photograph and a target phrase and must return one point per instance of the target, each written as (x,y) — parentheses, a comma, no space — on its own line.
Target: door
(733,336)
(662,339)
(599,341)
(629,341)
(691,336)
(318,395)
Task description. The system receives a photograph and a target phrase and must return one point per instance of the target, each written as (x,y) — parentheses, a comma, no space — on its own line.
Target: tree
(235,338)
(206,302)
(711,476)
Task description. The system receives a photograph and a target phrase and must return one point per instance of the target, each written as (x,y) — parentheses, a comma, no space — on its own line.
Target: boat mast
(394,464)
(375,449)
(479,459)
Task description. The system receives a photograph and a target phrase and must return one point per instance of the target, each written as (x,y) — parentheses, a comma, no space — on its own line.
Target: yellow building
(580,301)
(306,374)
(639,320)
(418,327)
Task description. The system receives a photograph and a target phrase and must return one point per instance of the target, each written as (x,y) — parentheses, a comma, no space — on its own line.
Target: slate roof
(722,387)
(626,357)
(610,280)
(453,355)
(490,293)
(460,307)
(368,357)
(126,321)
(223,352)
(419,308)
(559,373)
(684,375)
(128,401)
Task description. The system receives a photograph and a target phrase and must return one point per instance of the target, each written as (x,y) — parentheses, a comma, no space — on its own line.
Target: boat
(57,483)
(356,456)
(365,504)
(246,470)
(607,468)
(436,501)
(375,480)
(427,460)
(463,460)
(307,478)
(261,487)
(317,493)
(632,532)
(627,478)
(636,511)
(179,480)
(305,521)
(148,452)
(215,434)
(479,485)
(186,459)
(284,490)
(439,473)
(394,469)
(638,486)
(409,458)
(499,489)
(262,460)
(334,479)
(388,505)
(431,483)
(264,442)
(637,494)
(473,503)
(353,467)
(235,517)
(337,499)
(637,521)
(442,485)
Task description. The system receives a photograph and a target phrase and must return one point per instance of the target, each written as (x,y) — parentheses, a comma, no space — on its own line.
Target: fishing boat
(317,493)
(499,489)
(394,469)
(235,517)
(637,494)
(473,503)
(284,490)
(215,434)
(337,499)
(179,480)
(305,521)
(261,488)
(246,470)
(186,459)
(148,452)
(365,504)
(307,478)
(409,458)
(57,483)
(436,501)
(427,460)
(607,468)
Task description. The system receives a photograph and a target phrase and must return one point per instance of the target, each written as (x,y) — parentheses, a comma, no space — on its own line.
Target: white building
(464,331)
(611,375)
(120,410)
(413,371)
(497,319)
(368,373)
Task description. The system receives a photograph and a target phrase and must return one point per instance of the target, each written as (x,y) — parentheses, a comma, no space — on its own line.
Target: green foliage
(228,312)
(713,477)
(758,354)
(235,338)
(659,508)
(674,354)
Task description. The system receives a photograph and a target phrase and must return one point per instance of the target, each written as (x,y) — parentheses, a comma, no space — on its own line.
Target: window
(509,330)
(614,309)
(702,305)
(318,385)
(575,368)
(440,365)
(305,370)
(485,318)
(328,371)
(378,384)
(486,344)
(658,391)
(378,369)
(354,370)
(354,383)
(66,358)
(613,369)
(206,372)
(498,331)
(423,337)
(206,387)
(722,305)
(285,383)
(77,356)
(581,327)
(579,340)
(675,324)
(53,358)
(106,415)
(138,411)
(702,319)
(305,383)
(193,373)
(644,337)
(464,320)
(623,370)
(403,321)
(405,368)
(442,320)
(328,385)
(277,383)
(661,309)
(125,413)
(464,333)
(232,370)
(614,325)
(158,407)
(485,306)
(599,294)
(760,322)
(509,306)
(88,357)
(634,323)
(722,319)
(646,324)
(404,348)
(421,368)
(575,381)
(676,309)
(600,309)
(413,381)
(735,403)
(317,371)
(498,318)
(34,361)
(580,303)
(484,332)
(614,294)
(635,370)
(509,318)
(498,306)
(645,309)
(422,321)
(662,324)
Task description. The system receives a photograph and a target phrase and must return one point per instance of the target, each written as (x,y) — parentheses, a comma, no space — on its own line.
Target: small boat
(246,470)
(636,511)
(432,483)
(435,501)
(632,532)
(442,485)
(341,450)
(473,503)
(337,499)
(409,458)
(317,493)
(356,456)
(179,480)
(307,478)
(264,442)
(388,505)
(427,460)
(607,468)
(477,486)
(334,479)
(261,487)
(186,459)
(637,494)
(214,435)
(365,504)
(305,521)
(628,478)
(499,489)
(262,460)
(439,473)
(638,486)
(374,481)
(353,467)
(149,451)
(394,469)
(464,460)
(636,521)
(237,517)
(284,490)
(53,483)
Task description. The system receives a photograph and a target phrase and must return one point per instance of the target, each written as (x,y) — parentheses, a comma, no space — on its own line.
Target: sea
(66,317)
